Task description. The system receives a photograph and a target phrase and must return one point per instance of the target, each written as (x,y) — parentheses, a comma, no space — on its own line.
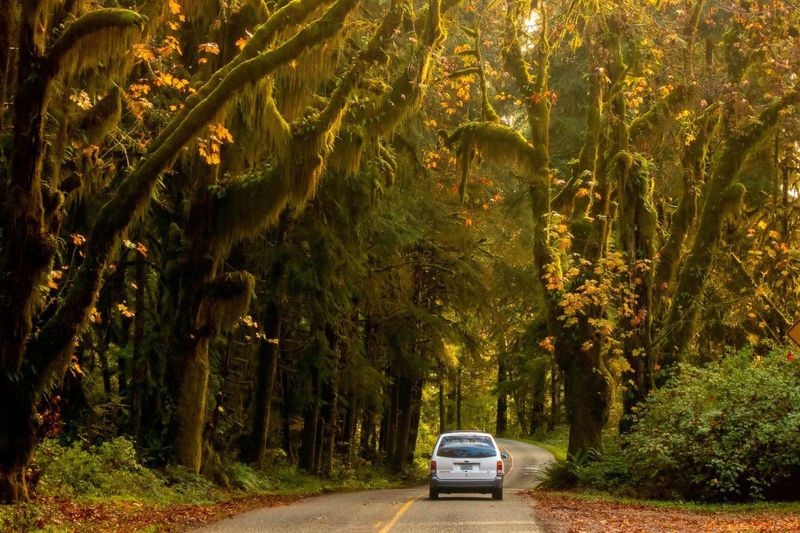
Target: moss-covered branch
(409,87)
(514,59)
(694,164)
(287,16)
(723,196)
(87,27)
(50,350)
(654,119)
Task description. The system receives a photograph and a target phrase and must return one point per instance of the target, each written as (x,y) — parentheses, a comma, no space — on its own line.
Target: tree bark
(17,438)
(140,359)
(501,425)
(268,355)
(458,398)
(587,395)
(308,443)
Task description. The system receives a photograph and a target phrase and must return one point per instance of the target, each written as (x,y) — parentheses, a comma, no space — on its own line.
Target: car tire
(497,494)
(433,494)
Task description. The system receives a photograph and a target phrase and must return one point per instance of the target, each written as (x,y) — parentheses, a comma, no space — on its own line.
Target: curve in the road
(407,510)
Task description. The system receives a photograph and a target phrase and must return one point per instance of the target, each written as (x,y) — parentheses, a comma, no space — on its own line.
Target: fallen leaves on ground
(561,512)
(127,516)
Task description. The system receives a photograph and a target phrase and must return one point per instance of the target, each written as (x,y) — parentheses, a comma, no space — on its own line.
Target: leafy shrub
(567,474)
(187,485)
(245,477)
(110,469)
(728,431)
(610,472)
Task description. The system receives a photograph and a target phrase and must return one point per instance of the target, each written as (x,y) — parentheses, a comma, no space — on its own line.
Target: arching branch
(49,350)
(87,27)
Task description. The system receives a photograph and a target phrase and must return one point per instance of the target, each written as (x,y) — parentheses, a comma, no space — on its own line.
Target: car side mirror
(504,455)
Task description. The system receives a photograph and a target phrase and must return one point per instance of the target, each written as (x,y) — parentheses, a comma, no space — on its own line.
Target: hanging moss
(256,110)
(495,142)
(102,36)
(694,164)
(723,195)
(229,298)
(349,146)
(202,12)
(387,164)
(248,206)
(732,200)
(102,118)
(652,123)
(53,344)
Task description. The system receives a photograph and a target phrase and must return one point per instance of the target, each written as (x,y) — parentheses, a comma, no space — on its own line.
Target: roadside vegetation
(269,248)
(107,487)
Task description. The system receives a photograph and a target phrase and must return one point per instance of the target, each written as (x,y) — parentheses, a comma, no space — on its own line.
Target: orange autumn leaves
(565,513)
(210,147)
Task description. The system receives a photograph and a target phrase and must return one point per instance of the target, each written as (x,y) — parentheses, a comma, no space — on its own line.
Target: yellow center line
(397,516)
(512,462)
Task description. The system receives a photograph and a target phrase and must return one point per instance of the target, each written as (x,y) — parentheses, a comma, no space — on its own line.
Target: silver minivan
(466,461)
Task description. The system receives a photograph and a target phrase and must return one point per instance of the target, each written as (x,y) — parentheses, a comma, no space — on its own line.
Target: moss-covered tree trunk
(140,356)
(268,355)
(587,397)
(723,197)
(638,222)
(307,459)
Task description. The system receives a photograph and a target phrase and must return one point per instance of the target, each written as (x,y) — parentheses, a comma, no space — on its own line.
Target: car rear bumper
(465,485)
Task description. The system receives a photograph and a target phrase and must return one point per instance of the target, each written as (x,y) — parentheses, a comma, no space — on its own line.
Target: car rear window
(466,447)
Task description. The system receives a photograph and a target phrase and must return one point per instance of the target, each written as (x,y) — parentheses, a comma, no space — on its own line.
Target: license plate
(466,467)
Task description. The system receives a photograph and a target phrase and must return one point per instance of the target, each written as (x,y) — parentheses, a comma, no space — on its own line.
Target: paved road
(408,510)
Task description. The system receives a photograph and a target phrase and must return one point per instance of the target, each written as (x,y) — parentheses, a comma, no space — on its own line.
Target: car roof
(465,432)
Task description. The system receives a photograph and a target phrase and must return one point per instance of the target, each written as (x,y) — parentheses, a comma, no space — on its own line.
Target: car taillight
(433,467)
(499,467)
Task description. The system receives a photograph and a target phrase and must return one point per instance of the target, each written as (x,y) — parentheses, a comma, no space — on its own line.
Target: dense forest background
(321,231)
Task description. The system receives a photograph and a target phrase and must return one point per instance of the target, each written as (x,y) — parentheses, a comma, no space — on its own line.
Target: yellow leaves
(78,239)
(94,316)
(138,90)
(53,278)
(139,107)
(209,48)
(176,11)
(220,133)
(640,318)
(564,243)
(74,367)
(170,45)
(143,52)
(210,148)
(124,311)
(81,100)
(168,80)
(139,247)
(241,42)
(762,225)
(548,344)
